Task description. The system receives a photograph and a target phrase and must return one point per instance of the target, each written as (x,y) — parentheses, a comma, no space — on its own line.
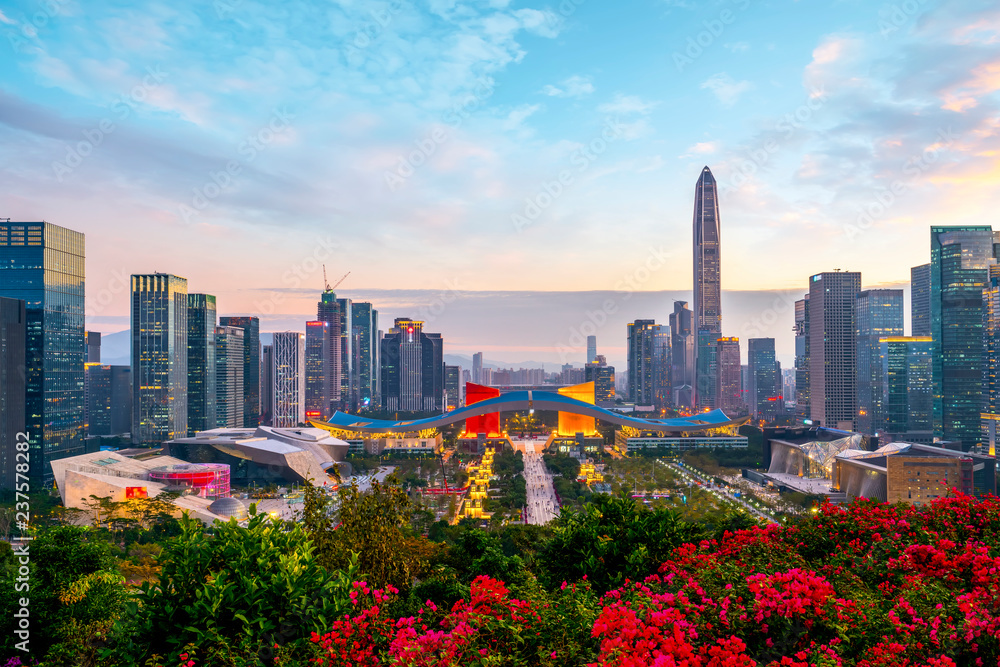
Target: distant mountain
(116,348)
(466,362)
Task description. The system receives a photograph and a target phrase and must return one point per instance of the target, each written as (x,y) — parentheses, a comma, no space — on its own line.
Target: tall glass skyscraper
(317,370)
(366,334)
(159,358)
(229,364)
(682,344)
(412,368)
(328,310)
(641,368)
(991,361)
(348,357)
(707,260)
(907,387)
(706,370)
(802,357)
(765,383)
(251,366)
(833,348)
(920,300)
(43,265)
(960,261)
(201,365)
(13,335)
(879,315)
(729,384)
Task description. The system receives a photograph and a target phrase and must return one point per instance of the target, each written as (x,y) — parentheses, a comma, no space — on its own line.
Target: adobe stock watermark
(594,320)
(425,147)
(371,30)
(20,545)
(221,180)
(550,191)
(93,137)
(29,26)
(439,304)
(565,9)
(787,125)
(913,168)
(704,39)
(897,15)
(298,272)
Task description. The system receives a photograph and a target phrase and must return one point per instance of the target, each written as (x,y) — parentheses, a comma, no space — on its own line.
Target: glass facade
(920,300)
(763,375)
(159,358)
(202,373)
(682,342)
(251,366)
(366,333)
(348,357)
(43,265)
(802,357)
(729,383)
(328,310)
(317,370)
(641,368)
(13,333)
(907,385)
(879,315)
(960,260)
(706,370)
(229,364)
(707,259)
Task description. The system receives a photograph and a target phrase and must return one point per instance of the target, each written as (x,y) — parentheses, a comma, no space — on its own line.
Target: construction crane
(335,285)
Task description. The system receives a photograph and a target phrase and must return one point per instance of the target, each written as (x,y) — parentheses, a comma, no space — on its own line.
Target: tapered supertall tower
(707,260)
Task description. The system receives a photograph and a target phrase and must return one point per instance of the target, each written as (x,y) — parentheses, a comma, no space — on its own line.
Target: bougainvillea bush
(868,584)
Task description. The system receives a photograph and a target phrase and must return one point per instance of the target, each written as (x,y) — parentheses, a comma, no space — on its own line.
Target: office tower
(682,351)
(477,368)
(745,389)
(603,377)
(318,370)
(707,264)
(229,364)
(266,385)
(802,358)
(466,376)
(833,348)
(879,315)
(348,356)
(662,362)
(93,347)
(366,330)
(706,369)
(788,386)
(991,361)
(920,300)
(908,388)
(13,341)
(591,349)
(159,358)
(412,368)
(201,363)
(289,379)
(109,400)
(452,385)
(765,392)
(639,340)
(251,366)
(960,260)
(328,310)
(43,265)
(729,384)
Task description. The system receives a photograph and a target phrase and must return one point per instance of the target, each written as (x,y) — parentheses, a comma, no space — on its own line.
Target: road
(542,506)
(709,486)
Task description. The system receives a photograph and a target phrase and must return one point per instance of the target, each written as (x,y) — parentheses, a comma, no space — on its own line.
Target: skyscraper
(920,300)
(318,370)
(641,370)
(109,400)
(765,387)
(43,265)
(729,384)
(908,387)
(707,261)
(960,260)
(682,351)
(591,349)
(477,368)
(251,366)
(991,361)
(159,358)
(266,385)
(833,348)
(229,364)
(202,371)
(706,369)
(366,331)
(412,368)
(328,310)
(662,366)
(348,356)
(802,358)
(452,385)
(13,339)
(93,347)
(288,370)
(879,315)
(603,377)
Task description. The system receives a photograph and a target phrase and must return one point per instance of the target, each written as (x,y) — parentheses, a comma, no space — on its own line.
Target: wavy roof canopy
(537,400)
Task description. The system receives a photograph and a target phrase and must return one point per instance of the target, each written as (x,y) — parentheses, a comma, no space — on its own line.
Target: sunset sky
(484,158)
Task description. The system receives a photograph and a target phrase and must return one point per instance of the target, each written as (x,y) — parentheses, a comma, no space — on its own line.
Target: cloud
(726,89)
(518,115)
(4,19)
(702,148)
(574,86)
(627,104)
(737,47)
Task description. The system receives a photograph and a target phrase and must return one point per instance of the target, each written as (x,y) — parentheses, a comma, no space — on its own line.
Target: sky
(505,168)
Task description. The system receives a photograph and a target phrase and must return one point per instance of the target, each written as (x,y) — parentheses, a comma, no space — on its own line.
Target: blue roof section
(537,400)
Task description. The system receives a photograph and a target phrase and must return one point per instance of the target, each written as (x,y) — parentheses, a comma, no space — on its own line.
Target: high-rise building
(477,368)
(201,363)
(802,358)
(788,386)
(662,366)
(13,341)
(908,387)
(412,368)
(706,370)
(960,260)
(991,361)
(603,377)
(318,370)
(765,390)
(251,366)
(43,265)
(230,361)
(591,349)
(879,315)
(707,260)
(159,358)
(452,385)
(920,300)
(93,347)
(682,351)
(729,384)
(366,331)
(288,371)
(641,370)
(348,357)
(833,348)
(328,310)
(109,400)
(266,385)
